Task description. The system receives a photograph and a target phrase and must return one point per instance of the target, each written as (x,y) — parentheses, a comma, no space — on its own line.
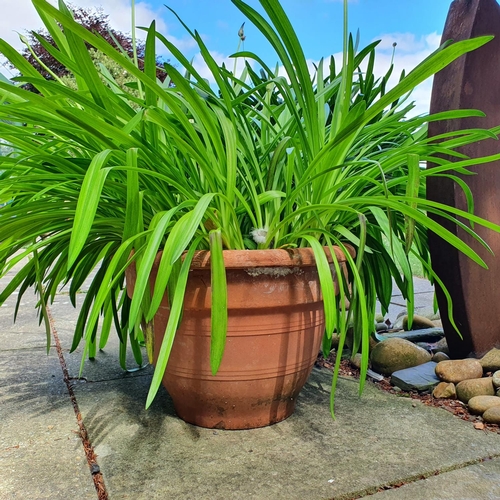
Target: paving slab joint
(95,471)
(372,490)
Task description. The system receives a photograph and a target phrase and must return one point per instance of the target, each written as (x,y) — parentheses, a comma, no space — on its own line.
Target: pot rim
(279,257)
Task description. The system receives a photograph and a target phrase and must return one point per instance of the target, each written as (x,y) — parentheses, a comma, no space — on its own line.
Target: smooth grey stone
(456,370)
(496,379)
(440,356)
(441,346)
(445,390)
(397,354)
(425,345)
(492,415)
(479,404)
(491,360)
(467,389)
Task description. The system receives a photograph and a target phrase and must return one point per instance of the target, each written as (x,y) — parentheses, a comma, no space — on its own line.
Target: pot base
(207,409)
(270,351)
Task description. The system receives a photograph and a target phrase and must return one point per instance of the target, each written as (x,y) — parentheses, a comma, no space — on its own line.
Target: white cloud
(408,42)
(24,17)
(410,50)
(311,66)
(16,19)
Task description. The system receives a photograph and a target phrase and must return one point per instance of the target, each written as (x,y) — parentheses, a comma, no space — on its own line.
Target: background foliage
(97,22)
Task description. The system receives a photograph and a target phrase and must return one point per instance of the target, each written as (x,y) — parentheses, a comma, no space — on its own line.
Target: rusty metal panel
(473,81)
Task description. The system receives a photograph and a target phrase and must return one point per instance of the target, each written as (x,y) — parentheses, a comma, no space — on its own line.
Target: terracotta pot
(275,327)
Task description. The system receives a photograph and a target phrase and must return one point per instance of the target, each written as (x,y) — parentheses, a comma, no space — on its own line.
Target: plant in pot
(253,217)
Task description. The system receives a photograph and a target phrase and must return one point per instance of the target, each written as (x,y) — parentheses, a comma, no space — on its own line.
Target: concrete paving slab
(423,304)
(25,333)
(22,340)
(26,320)
(376,440)
(41,453)
(475,482)
(424,299)
(420,285)
(394,310)
(106,365)
(28,297)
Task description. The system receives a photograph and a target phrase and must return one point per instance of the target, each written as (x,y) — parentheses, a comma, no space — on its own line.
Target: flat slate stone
(419,378)
(423,335)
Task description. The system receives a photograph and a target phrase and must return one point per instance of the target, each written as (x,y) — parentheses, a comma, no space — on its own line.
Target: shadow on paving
(376,440)
(32,376)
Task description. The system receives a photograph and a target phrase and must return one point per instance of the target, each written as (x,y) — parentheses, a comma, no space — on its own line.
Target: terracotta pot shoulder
(242,259)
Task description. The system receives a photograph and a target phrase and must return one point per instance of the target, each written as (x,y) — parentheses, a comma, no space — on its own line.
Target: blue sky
(415,25)
(317,22)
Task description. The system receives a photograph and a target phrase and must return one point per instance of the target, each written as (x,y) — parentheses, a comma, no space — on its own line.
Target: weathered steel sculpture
(471,82)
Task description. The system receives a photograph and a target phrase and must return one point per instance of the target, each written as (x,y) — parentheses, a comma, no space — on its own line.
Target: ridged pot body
(275,326)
